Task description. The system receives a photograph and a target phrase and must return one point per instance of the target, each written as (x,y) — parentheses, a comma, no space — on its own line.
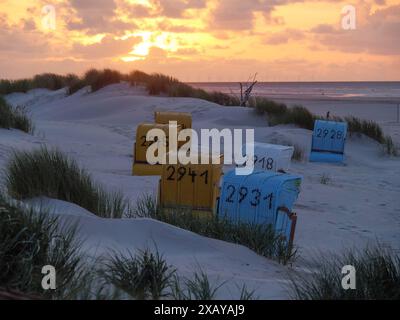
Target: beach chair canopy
(263,197)
(270,157)
(184,119)
(328,141)
(191,186)
(141,167)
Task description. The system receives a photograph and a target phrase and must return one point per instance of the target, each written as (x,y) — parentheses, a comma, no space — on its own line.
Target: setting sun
(281,42)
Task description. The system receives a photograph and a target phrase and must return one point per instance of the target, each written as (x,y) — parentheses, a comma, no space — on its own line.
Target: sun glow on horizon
(163,40)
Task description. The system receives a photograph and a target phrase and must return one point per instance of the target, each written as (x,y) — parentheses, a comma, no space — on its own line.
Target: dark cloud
(379,34)
(162,8)
(324,28)
(97,16)
(176,8)
(187,52)
(285,36)
(29,25)
(234,14)
(166,25)
(239,14)
(108,47)
(21,40)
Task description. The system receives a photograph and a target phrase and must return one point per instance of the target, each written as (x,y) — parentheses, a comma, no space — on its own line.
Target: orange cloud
(199,40)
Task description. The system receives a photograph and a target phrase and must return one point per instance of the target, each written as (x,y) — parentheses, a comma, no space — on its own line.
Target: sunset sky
(203,40)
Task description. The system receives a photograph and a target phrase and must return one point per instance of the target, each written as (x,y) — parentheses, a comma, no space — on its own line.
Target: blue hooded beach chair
(328,141)
(262,197)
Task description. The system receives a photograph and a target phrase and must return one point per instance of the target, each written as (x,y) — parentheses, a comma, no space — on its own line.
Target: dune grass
(298,153)
(369,128)
(389,147)
(372,130)
(297,115)
(51,173)
(30,240)
(197,287)
(325,179)
(265,106)
(259,238)
(156,84)
(377,276)
(144,275)
(14,118)
(159,83)
(49,81)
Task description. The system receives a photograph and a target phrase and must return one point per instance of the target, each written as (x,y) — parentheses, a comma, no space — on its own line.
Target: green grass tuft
(265,106)
(369,128)
(297,115)
(377,276)
(389,147)
(197,287)
(51,173)
(16,118)
(298,153)
(30,240)
(145,275)
(325,179)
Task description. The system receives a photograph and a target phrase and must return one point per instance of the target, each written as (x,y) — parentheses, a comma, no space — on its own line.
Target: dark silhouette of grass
(49,81)
(138,78)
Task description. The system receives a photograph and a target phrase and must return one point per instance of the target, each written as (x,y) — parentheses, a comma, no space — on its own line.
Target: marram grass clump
(30,240)
(51,173)
(377,276)
(146,275)
(49,81)
(14,118)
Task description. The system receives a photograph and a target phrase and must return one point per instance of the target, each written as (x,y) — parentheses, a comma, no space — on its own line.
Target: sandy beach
(358,205)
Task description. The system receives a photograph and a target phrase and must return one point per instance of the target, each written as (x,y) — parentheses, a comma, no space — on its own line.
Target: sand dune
(359,204)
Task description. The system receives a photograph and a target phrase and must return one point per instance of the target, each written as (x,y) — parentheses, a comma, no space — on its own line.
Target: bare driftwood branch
(244,98)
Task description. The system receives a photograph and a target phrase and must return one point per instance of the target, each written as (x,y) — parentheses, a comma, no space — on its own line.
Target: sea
(388,91)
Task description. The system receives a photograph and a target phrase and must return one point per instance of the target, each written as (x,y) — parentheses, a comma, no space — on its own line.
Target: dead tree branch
(245,97)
